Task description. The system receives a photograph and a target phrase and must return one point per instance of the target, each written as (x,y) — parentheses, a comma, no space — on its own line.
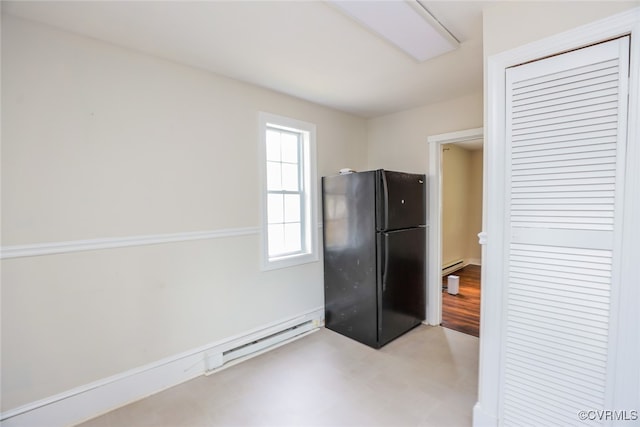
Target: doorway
(461,219)
(435,250)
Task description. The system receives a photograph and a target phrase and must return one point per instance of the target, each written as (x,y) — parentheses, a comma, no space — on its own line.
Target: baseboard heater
(215,361)
(452,266)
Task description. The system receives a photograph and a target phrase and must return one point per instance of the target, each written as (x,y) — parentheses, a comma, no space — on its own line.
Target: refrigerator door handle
(384,274)
(385,261)
(384,202)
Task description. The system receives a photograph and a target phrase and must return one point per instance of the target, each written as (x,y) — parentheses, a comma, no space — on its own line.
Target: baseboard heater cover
(217,360)
(452,266)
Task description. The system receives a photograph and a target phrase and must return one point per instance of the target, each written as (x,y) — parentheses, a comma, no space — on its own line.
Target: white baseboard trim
(482,418)
(459,266)
(91,400)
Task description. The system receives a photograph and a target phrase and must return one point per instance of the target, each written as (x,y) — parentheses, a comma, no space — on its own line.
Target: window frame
(309,221)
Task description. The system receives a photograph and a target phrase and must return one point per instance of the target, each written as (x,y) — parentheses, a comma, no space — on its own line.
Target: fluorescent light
(406,24)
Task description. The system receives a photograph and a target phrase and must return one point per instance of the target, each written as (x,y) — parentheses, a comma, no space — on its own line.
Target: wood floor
(461,312)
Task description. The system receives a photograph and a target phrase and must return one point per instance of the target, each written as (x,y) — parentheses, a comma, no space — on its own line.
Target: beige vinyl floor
(427,377)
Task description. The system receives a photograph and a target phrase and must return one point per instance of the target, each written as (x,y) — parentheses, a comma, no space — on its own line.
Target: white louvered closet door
(566,138)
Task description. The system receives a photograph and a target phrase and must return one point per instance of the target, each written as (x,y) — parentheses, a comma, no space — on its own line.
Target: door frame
(624,387)
(434,249)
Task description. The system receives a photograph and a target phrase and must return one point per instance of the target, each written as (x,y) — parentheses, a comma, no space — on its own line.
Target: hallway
(461,312)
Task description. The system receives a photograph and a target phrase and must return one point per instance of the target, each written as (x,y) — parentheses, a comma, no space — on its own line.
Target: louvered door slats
(541,155)
(566,196)
(566,120)
(553,282)
(569,359)
(552,252)
(535,181)
(591,155)
(583,146)
(531,260)
(560,141)
(578,103)
(563,165)
(577,89)
(590,177)
(547,187)
(562,396)
(531,341)
(576,130)
(565,85)
(528,116)
(553,374)
(577,97)
(577,203)
(572,74)
(560,122)
(557,276)
(518,410)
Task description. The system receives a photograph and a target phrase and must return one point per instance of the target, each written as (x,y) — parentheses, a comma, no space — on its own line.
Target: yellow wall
(461,204)
(474,250)
(455,182)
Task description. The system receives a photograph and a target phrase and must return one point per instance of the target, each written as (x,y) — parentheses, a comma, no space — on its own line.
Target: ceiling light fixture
(406,24)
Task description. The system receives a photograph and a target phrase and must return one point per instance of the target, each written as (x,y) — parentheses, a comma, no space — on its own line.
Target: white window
(289,218)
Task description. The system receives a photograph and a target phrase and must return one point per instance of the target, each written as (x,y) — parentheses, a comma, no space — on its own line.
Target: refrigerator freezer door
(401,200)
(401,282)
(350,271)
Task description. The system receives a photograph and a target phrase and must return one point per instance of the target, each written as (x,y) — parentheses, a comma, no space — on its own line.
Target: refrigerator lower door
(401,282)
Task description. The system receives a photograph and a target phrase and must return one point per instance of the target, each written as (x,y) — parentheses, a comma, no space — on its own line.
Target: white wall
(511,24)
(100,141)
(399,141)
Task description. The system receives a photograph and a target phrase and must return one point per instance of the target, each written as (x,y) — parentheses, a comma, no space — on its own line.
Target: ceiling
(307,49)
(473,145)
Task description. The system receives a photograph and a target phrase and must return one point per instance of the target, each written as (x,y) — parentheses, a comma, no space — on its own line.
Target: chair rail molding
(38,249)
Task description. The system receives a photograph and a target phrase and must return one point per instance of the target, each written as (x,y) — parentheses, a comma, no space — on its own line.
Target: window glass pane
(289,210)
(276,239)
(273,145)
(289,177)
(289,148)
(275,211)
(292,238)
(292,208)
(274,176)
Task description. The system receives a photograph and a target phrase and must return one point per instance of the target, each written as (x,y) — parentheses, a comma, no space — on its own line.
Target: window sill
(289,261)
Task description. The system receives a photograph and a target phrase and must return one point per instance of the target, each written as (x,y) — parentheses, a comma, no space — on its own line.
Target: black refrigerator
(374,254)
